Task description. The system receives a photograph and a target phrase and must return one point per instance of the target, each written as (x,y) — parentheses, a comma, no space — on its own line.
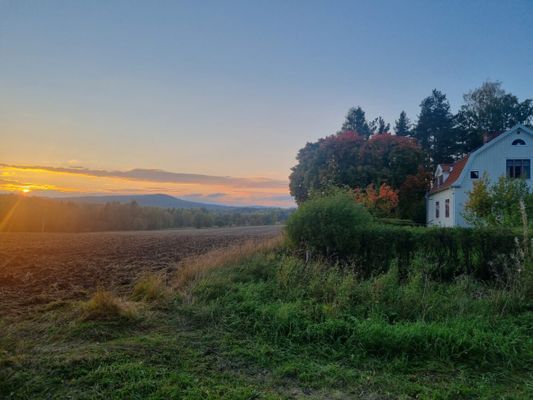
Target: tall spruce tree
(435,129)
(402,126)
(356,121)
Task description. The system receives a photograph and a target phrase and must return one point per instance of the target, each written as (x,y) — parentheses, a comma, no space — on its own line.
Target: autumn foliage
(348,160)
(381,202)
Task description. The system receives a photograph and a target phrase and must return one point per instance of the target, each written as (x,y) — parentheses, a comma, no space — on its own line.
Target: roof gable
(455,172)
(472,156)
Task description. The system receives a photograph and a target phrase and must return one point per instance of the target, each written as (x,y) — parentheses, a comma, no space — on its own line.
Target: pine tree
(435,129)
(379,126)
(356,121)
(402,126)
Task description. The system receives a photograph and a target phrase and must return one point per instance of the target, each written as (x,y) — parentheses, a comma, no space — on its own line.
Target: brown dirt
(37,269)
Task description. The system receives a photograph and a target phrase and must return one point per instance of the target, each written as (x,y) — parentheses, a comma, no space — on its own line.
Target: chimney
(486,138)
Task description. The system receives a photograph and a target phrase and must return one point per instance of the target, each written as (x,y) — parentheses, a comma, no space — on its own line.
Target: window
(447,208)
(518,142)
(518,169)
(437,211)
(474,174)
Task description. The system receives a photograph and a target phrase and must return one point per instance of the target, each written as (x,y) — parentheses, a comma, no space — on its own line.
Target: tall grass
(105,306)
(290,302)
(195,268)
(151,288)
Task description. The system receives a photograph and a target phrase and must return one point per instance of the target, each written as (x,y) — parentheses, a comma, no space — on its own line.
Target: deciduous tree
(490,109)
(498,204)
(381,202)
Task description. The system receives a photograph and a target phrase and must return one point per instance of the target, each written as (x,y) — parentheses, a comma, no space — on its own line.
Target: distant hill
(156,200)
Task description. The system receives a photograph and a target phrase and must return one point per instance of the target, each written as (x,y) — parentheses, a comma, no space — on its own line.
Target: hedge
(444,252)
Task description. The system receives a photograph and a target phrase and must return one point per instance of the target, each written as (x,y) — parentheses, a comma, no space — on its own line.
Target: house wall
(431,205)
(491,160)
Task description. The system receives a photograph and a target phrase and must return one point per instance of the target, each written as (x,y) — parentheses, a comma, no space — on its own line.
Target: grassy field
(252,322)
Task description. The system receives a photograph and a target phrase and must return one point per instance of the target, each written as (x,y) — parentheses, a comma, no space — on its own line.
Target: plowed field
(38,269)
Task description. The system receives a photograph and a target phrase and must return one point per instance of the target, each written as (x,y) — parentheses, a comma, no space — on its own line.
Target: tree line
(35,214)
(365,155)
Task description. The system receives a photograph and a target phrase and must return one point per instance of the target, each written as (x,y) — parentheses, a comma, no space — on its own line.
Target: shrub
(104,306)
(328,225)
(499,204)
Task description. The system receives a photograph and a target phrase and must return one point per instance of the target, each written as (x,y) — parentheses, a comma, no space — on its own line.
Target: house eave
(438,190)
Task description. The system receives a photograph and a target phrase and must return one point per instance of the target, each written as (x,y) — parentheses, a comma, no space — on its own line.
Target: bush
(328,225)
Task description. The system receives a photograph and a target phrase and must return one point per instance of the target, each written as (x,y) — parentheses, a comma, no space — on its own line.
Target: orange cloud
(59,181)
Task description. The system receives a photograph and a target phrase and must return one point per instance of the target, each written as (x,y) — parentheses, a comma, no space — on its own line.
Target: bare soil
(39,269)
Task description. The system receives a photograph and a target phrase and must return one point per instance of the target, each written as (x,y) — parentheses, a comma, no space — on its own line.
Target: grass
(195,268)
(105,306)
(256,323)
(151,288)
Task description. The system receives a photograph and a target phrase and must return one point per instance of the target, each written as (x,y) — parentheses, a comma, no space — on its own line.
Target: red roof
(456,170)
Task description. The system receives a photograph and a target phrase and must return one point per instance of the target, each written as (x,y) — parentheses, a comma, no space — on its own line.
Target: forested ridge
(35,214)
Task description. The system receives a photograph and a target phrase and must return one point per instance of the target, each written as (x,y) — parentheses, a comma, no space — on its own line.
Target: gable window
(437,211)
(518,169)
(474,174)
(447,208)
(518,142)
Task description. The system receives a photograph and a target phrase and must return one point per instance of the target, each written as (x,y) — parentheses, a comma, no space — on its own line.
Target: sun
(25,190)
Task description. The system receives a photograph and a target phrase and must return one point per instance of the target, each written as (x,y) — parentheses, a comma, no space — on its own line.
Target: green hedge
(445,252)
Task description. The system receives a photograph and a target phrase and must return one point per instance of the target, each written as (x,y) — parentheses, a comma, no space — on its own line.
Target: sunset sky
(211,100)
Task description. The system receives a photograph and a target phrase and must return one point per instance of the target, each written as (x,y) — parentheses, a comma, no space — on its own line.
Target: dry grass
(105,306)
(151,288)
(194,268)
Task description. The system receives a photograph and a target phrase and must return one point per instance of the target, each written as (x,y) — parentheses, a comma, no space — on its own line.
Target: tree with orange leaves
(381,202)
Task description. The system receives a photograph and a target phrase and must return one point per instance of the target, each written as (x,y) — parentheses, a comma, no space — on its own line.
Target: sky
(211,100)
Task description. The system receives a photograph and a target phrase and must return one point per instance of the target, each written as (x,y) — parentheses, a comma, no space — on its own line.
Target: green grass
(271,327)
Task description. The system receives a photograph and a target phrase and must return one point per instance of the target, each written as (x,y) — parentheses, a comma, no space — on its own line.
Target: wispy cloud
(157,175)
(56,181)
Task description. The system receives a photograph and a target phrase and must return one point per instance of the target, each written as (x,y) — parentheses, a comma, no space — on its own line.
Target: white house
(509,154)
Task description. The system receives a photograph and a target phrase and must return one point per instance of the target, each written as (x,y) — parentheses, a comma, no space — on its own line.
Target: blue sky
(235,88)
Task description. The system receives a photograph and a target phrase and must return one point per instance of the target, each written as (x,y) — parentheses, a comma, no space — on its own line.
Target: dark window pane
(518,168)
